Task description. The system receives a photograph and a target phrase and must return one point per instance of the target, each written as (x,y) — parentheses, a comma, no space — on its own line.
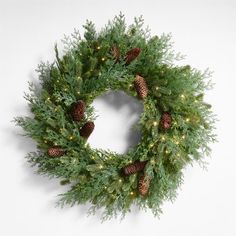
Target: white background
(204,30)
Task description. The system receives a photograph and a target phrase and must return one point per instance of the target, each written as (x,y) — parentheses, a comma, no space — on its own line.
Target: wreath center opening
(117,116)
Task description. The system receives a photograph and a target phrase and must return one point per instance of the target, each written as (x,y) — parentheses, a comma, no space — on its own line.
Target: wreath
(176,125)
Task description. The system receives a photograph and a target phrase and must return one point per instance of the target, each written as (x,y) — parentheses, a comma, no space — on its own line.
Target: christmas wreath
(176,124)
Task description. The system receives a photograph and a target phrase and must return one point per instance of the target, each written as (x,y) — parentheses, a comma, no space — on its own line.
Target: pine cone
(55,151)
(115,53)
(141,87)
(87,129)
(143,184)
(78,109)
(131,55)
(134,167)
(166,120)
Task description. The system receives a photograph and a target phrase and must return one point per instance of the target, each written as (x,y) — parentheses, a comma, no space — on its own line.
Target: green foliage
(86,70)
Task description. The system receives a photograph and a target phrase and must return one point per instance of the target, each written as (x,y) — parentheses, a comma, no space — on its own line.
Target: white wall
(204,30)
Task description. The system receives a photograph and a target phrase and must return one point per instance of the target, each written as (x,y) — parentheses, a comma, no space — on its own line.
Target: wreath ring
(176,124)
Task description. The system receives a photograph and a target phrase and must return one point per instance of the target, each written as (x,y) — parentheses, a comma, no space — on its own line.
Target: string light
(176,141)
(58,81)
(182,96)
(163,138)
(157,88)
(120,180)
(65,89)
(48,98)
(98,47)
(45,141)
(153,162)
(101,166)
(93,157)
(178,155)
(103,59)
(78,92)
(183,137)
(71,137)
(187,119)
(151,145)
(155,123)
(131,193)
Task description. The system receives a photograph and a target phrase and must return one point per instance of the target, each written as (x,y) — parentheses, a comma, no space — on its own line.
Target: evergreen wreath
(176,124)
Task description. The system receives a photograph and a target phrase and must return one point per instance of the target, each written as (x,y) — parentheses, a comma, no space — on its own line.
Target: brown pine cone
(166,120)
(134,167)
(131,55)
(55,151)
(141,86)
(143,184)
(77,111)
(115,53)
(87,129)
